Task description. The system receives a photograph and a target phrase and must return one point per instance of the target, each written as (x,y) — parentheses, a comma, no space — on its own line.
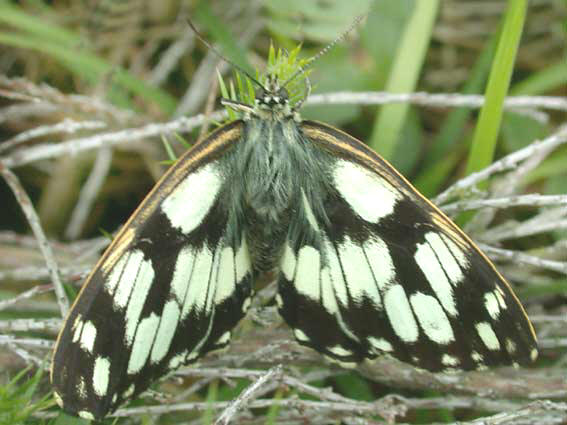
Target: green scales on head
(365,265)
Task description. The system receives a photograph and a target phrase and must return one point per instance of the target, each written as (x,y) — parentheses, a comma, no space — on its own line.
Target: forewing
(171,287)
(380,270)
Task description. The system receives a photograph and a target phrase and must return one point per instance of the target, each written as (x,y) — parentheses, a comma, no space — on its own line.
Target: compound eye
(283,94)
(260,93)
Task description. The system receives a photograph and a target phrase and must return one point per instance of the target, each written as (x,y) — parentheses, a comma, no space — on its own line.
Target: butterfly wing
(380,270)
(171,287)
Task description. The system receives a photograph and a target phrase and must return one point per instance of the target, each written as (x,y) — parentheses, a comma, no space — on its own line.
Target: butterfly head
(272,96)
(276,94)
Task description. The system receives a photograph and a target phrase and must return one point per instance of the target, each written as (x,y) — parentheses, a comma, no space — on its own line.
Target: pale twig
(546,220)
(28,325)
(49,100)
(89,193)
(506,163)
(442,100)
(200,85)
(532,200)
(22,111)
(169,59)
(246,396)
(38,289)
(549,318)
(522,230)
(552,343)
(27,207)
(41,273)
(24,354)
(331,408)
(67,126)
(519,257)
(43,344)
(74,146)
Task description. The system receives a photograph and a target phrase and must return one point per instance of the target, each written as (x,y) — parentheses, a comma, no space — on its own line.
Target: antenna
(325,49)
(220,55)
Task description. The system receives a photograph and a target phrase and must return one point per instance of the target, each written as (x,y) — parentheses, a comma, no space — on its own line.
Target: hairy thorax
(273,160)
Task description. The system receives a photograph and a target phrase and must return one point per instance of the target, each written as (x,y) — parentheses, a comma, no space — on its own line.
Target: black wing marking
(394,275)
(170,288)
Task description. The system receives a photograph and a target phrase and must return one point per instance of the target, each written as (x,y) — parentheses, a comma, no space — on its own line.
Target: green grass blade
(486,132)
(221,35)
(552,77)
(90,67)
(404,75)
(27,23)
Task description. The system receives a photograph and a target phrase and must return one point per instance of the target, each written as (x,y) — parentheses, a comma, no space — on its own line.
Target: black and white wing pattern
(380,270)
(173,284)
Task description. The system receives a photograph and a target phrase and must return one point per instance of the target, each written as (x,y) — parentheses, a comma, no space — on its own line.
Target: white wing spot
(300,335)
(82,388)
(358,273)
(448,360)
(400,314)
(188,204)
(328,298)
(142,343)
(101,376)
(308,269)
(197,291)
(85,414)
(177,360)
(446,257)
(427,261)
(339,351)
(129,391)
(492,305)
(226,278)
(335,271)
(182,273)
(279,301)
(477,357)
(77,328)
(88,337)
(432,318)
(500,297)
(309,212)
(166,331)
(243,264)
(345,365)
(289,262)
(114,276)
(246,304)
(192,355)
(381,262)
(458,253)
(128,278)
(488,336)
(224,338)
(141,285)
(533,354)
(369,195)
(380,344)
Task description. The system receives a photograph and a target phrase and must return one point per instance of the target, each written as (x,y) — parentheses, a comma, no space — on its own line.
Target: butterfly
(365,265)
